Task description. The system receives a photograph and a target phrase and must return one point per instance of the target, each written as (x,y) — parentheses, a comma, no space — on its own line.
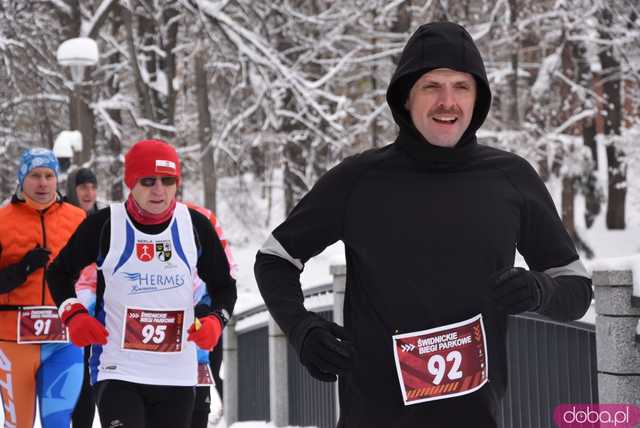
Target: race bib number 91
(153,330)
(41,324)
(441,362)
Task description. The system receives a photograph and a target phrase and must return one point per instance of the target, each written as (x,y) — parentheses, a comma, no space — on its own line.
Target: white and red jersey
(87,281)
(149,280)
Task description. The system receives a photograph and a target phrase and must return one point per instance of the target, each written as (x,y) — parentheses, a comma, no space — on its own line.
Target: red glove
(84,329)
(206,336)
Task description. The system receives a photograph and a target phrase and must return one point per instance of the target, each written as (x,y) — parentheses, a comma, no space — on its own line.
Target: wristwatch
(223,315)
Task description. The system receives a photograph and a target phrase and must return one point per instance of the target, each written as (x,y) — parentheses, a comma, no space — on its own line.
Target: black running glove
(514,290)
(14,275)
(35,259)
(327,351)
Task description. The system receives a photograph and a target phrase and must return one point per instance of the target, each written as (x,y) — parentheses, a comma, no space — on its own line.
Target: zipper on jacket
(44,245)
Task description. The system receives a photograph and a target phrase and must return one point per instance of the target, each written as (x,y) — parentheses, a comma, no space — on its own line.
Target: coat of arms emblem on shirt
(163,250)
(144,251)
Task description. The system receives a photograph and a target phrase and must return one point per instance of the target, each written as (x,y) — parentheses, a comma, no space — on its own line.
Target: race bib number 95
(441,362)
(153,330)
(205,377)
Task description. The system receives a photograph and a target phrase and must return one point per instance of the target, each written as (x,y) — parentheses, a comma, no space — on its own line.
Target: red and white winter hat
(150,158)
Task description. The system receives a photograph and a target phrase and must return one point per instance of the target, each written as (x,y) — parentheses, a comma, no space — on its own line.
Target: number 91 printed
(40,324)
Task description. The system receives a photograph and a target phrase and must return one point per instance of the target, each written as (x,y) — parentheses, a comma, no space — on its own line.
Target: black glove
(514,290)
(327,351)
(35,259)
(201,310)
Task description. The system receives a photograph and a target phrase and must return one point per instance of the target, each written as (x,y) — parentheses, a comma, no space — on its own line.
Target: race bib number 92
(441,362)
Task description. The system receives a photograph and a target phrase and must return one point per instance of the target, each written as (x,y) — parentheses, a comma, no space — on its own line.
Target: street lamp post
(67,143)
(77,54)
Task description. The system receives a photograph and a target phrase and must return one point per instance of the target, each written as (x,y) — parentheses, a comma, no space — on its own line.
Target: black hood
(76,178)
(438,45)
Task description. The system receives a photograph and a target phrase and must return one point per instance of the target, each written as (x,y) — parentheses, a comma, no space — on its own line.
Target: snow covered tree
(298,85)
(612,86)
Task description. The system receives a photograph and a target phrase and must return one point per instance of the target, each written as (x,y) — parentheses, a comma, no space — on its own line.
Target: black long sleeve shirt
(421,242)
(424,228)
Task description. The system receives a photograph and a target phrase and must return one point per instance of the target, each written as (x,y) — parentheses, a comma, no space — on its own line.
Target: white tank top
(148,302)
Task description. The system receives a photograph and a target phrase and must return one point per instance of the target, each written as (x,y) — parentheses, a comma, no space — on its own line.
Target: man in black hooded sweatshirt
(430,224)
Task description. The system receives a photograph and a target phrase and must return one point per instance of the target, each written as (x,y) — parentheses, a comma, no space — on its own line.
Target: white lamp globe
(78,53)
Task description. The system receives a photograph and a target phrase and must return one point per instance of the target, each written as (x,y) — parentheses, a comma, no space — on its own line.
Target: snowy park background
(260,98)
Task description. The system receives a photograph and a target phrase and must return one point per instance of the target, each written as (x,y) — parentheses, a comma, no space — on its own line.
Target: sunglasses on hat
(151,181)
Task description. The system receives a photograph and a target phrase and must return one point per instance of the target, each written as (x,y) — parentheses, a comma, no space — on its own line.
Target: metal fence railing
(253,377)
(549,363)
(311,402)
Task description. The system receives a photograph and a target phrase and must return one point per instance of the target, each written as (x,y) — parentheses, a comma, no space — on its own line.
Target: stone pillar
(618,352)
(278,376)
(339,273)
(230,386)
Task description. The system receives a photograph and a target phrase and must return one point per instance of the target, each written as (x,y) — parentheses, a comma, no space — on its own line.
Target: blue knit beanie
(37,158)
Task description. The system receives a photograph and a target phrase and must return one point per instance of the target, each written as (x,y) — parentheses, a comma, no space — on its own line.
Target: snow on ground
(616,250)
(316,272)
(247,219)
